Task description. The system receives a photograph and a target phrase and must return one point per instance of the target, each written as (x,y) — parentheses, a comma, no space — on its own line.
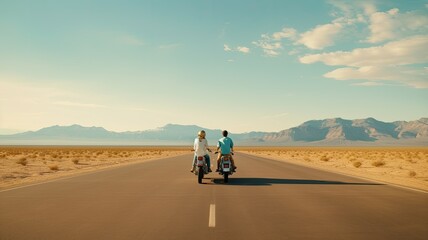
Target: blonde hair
(201,134)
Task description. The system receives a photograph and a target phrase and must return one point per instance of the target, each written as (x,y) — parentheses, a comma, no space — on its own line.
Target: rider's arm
(206,146)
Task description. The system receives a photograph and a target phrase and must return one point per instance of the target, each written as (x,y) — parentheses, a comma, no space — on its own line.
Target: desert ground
(402,166)
(23,165)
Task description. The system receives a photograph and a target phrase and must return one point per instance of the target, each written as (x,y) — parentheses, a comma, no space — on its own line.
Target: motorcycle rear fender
(200,163)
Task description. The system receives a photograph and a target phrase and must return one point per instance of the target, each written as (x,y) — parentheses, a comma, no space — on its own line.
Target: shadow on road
(271,181)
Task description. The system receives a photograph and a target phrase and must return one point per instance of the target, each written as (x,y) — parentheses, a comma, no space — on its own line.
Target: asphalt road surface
(161,199)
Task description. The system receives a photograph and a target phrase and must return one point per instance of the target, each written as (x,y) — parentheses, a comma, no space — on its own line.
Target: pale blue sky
(236,65)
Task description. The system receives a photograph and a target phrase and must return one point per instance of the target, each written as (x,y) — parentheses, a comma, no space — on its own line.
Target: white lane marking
(211,221)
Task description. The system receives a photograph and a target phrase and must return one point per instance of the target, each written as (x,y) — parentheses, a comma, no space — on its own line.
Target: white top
(200,146)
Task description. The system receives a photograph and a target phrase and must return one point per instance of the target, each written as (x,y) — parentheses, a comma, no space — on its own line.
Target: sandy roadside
(402,166)
(21,166)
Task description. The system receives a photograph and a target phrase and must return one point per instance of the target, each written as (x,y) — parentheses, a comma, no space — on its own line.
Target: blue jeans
(207,159)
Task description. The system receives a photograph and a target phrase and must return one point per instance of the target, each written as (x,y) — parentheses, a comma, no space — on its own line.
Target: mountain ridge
(331,131)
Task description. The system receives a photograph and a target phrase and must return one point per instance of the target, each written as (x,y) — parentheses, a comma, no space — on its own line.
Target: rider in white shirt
(201,149)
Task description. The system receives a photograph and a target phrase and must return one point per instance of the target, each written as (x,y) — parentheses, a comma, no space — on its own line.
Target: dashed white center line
(211,220)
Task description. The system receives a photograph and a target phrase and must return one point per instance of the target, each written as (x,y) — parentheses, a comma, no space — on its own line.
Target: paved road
(266,199)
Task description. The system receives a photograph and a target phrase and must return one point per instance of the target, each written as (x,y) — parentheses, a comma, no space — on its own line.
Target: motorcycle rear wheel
(200,174)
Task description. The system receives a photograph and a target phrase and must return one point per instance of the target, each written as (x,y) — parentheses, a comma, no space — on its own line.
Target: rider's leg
(193,163)
(233,161)
(207,157)
(218,161)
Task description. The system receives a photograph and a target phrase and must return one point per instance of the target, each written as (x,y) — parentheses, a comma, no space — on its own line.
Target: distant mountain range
(328,132)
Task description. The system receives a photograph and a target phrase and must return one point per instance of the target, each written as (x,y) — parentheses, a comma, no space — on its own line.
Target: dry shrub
(54,167)
(325,158)
(357,164)
(75,161)
(307,159)
(22,161)
(378,163)
(412,173)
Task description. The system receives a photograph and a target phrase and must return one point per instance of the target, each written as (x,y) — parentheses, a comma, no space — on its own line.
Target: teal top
(225,145)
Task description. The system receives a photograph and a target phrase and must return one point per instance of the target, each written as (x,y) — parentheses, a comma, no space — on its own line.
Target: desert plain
(404,166)
(20,165)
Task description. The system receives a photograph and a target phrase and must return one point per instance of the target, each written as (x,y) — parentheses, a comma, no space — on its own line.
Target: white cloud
(396,61)
(293,52)
(393,24)
(321,36)
(270,48)
(409,76)
(285,33)
(243,49)
(226,48)
(343,7)
(402,52)
(393,61)
(369,7)
(382,26)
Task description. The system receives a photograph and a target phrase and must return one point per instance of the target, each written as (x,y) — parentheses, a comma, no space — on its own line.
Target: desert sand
(402,166)
(24,165)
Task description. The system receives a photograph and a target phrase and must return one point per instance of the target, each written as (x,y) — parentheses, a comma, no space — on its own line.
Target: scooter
(201,168)
(226,167)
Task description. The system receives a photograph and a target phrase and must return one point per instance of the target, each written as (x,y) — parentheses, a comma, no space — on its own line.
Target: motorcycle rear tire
(200,174)
(226,177)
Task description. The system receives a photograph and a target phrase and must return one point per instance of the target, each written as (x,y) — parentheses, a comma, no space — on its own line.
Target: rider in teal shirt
(225,144)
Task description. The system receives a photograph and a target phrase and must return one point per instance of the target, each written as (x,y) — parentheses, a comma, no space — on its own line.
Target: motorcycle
(226,168)
(201,168)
